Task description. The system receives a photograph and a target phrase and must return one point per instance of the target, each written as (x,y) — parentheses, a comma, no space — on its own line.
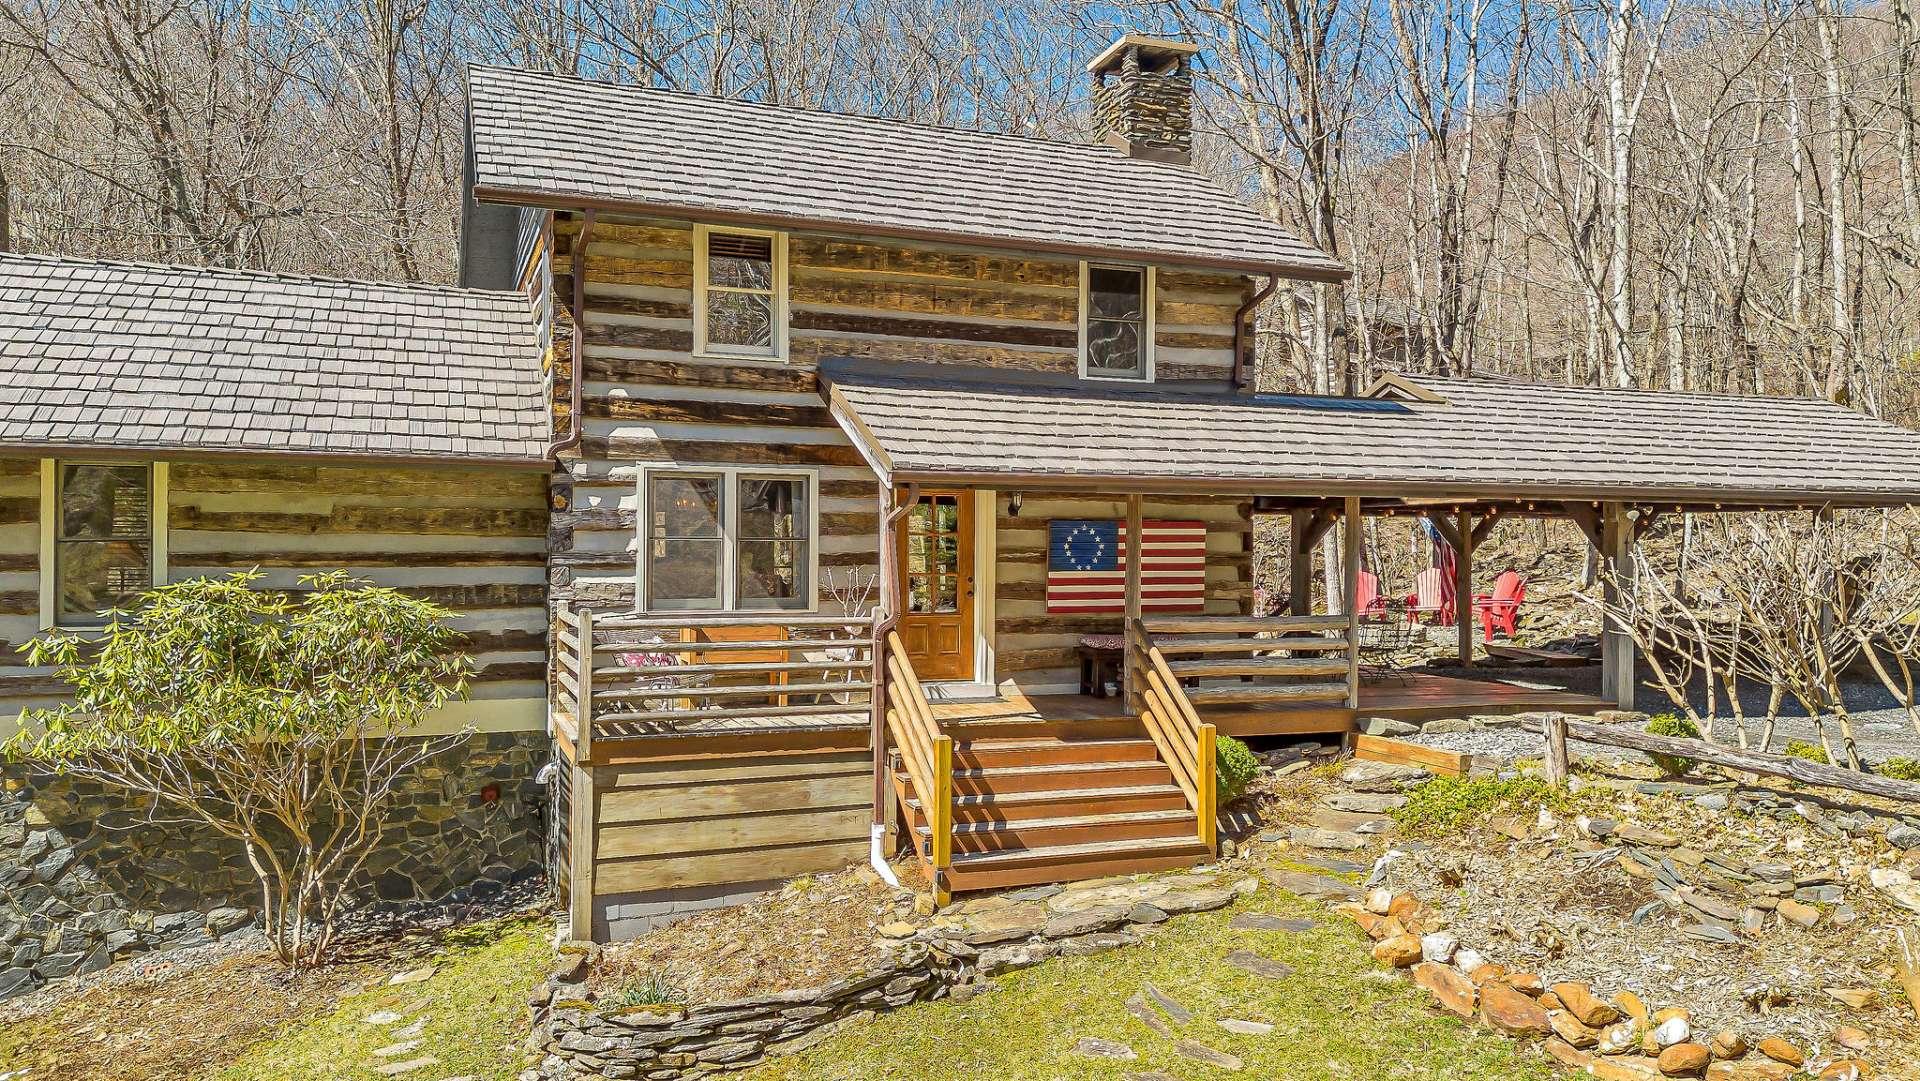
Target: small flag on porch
(1087,566)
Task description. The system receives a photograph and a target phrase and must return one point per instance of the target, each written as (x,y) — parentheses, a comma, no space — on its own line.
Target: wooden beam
(1645,522)
(1300,566)
(1135,527)
(1350,596)
(1485,527)
(1776,765)
(1446,528)
(1463,586)
(1588,520)
(1616,645)
(1321,520)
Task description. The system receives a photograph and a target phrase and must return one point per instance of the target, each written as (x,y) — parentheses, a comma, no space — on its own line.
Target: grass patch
(1902,769)
(1811,752)
(1337,1017)
(471,1014)
(1447,805)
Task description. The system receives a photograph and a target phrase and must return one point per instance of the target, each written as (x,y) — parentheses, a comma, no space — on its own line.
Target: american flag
(1087,566)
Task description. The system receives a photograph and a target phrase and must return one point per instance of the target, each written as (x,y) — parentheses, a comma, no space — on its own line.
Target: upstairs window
(106,537)
(1116,322)
(740,287)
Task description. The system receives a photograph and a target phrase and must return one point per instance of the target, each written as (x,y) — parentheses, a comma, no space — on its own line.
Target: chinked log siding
(699,411)
(947,329)
(470,540)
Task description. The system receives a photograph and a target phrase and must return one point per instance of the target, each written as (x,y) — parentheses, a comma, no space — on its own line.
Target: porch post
(1463,587)
(1350,595)
(1616,646)
(1300,565)
(1135,526)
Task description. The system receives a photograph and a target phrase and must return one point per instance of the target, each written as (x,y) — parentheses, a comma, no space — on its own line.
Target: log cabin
(859,421)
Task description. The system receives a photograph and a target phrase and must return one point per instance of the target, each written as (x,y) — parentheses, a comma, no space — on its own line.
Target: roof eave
(182,452)
(1319,272)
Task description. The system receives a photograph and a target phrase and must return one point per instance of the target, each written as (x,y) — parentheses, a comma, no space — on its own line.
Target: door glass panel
(919,594)
(947,594)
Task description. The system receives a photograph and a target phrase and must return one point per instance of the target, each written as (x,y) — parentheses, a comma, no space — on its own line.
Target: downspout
(891,511)
(1240,329)
(577,311)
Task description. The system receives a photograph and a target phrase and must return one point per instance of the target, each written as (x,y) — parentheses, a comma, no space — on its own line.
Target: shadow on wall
(87,876)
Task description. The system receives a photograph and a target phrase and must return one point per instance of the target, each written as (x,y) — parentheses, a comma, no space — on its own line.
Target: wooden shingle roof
(127,356)
(1469,439)
(559,141)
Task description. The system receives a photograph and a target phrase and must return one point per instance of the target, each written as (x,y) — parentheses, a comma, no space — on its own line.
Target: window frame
(701,287)
(157,484)
(1149,296)
(730,475)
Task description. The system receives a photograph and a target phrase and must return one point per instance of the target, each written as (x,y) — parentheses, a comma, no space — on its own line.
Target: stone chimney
(1143,97)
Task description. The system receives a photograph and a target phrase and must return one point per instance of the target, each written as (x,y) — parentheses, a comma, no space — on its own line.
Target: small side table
(1100,656)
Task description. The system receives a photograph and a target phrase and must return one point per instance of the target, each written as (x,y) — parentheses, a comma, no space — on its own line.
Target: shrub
(1451,804)
(650,990)
(1678,727)
(1234,768)
(1811,752)
(1901,769)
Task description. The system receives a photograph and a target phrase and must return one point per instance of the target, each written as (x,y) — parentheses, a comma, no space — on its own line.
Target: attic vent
(740,246)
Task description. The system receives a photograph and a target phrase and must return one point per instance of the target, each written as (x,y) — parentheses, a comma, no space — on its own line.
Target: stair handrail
(927,752)
(1184,741)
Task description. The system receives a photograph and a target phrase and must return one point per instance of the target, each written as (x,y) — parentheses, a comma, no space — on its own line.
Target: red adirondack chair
(1501,608)
(1432,597)
(1369,602)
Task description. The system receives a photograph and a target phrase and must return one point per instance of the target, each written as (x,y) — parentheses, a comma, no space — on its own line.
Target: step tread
(1046,795)
(1068,820)
(1058,767)
(1094,849)
(1016,743)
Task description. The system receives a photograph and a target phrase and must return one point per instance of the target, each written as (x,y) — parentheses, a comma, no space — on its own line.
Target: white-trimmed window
(1116,322)
(725,539)
(739,292)
(103,533)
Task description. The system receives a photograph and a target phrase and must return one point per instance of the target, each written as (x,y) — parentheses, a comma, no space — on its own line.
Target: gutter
(577,311)
(1240,328)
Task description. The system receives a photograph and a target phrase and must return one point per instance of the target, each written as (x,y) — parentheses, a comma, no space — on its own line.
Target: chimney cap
(1153,52)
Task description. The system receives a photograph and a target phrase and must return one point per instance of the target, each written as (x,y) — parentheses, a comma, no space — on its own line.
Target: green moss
(1451,804)
(1335,1018)
(1678,727)
(473,1008)
(1235,768)
(1811,752)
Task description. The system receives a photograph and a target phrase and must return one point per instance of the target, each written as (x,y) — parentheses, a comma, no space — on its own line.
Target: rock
(415,975)
(1846,1069)
(1819,895)
(1085,922)
(1387,727)
(1567,1055)
(1260,921)
(1400,951)
(1670,1031)
(1468,961)
(1365,776)
(1145,913)
(1006,925)
(1780,1050)
(1490,972)
(1094,1047)
(1200,1052)
(1712,801)
(395,1069)
(1377,803)
(1853,1039)
(1438,946)
(1899,887)
(1859,998)
(395,1050)
(1727,1043)
(1710,932)
(1181,902)
(897,929)
(1684,1060)
(1794,912)
(1619,1038)
(1568,1028)
(1640,835)
(1527,983)
(1245,1028)
(1179,1013)
(1903,837)
(1310,886)
(1264,967)
(1326,840)
(1579,1000)
(224,920)
(383,1017)
(1453,991)
(1379,902)
(1508,1011)
(1148,1016)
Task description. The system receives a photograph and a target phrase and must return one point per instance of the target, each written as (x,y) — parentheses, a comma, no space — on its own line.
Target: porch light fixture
(1013,504)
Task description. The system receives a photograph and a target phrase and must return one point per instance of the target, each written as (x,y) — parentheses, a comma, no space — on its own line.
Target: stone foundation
(90,874)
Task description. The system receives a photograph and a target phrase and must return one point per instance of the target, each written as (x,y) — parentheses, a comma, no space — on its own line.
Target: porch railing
(1186,743)
(629,674)
(925,750)
(1266,659)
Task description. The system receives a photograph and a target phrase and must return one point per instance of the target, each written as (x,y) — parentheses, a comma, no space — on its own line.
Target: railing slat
(770,690)
(632,621)
(727,713)
(1158,625)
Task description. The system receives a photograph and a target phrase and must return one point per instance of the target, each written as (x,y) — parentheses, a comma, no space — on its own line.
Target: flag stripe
(1087,566)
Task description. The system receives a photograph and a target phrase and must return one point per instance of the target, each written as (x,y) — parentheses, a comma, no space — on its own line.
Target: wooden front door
(936,561)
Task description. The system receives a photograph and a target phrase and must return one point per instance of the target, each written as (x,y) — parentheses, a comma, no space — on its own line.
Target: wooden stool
(1097,665)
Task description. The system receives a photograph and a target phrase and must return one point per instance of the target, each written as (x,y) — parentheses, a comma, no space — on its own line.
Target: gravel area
(1880,725)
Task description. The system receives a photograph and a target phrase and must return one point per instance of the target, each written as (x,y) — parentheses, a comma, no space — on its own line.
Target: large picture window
(740,281)
(106,534)
(723,539)
(1116,322)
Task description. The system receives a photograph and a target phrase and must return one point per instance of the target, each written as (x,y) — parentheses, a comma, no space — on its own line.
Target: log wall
(470,540)
(1035,650)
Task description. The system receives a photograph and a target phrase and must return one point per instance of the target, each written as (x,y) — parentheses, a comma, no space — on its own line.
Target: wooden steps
(1055,807)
